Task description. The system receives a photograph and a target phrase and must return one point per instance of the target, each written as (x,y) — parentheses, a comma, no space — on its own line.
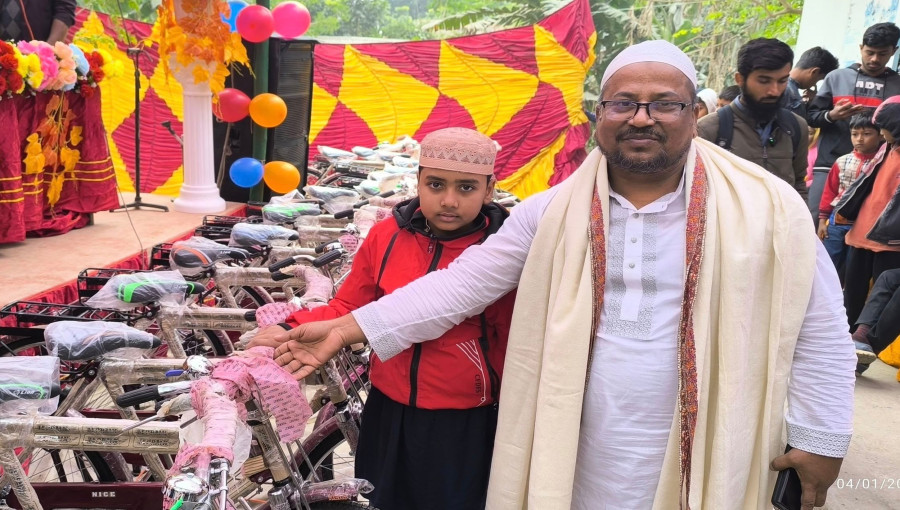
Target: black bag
(785,119)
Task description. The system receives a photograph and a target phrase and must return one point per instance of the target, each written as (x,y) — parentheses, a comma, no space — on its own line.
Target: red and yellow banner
(522,87)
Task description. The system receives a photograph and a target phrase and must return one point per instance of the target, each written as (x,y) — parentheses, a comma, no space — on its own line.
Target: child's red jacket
(450,372)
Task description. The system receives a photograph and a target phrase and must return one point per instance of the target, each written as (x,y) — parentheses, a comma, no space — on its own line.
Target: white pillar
(199,193)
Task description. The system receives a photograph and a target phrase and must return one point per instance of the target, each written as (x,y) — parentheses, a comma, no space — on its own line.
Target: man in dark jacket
(812,67)
(758,135)
(845,93)
(41,20)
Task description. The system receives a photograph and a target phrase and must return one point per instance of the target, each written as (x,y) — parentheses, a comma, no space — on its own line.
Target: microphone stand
(135,54)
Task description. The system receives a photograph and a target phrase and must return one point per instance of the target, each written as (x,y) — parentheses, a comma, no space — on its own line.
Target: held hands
(817,474)
(307,347)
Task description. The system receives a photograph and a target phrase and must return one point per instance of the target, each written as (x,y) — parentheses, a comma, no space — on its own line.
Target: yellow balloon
(281,177)
(268,110)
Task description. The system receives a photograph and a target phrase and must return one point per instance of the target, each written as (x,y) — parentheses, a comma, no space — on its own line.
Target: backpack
(784,118)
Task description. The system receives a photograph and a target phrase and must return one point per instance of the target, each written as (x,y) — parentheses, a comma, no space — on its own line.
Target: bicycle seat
(204,256)
(80,341)
(288,212)
(148,290)
(249,234)
(13,388)
(28,378)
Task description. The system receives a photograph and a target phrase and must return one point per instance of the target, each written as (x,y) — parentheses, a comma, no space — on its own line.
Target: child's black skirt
(421,459)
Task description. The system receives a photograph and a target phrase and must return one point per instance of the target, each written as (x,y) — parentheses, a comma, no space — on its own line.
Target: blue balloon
(246,172)
(236,6)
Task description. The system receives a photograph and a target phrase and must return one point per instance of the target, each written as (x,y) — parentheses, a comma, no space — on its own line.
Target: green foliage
(140,10)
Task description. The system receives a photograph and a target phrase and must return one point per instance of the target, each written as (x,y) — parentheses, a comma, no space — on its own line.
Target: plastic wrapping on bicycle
(148,291)
(288,212)
(13,389)
(198,252)
(248,234)
(28,378)
(79,341)
(150,393)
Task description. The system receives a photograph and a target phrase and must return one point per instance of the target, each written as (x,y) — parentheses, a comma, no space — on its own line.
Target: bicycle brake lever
(138,424)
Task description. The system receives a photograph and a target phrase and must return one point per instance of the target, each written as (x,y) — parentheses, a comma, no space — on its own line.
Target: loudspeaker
(291,78)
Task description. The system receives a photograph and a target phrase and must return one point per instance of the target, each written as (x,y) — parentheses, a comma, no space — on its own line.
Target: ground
(870,475)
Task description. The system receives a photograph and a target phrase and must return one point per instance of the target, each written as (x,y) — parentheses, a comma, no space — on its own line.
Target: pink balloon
(292,19)
(255,23)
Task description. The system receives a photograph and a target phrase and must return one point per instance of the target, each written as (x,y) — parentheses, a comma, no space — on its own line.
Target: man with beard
(671,298)
(846,92)
(762,131)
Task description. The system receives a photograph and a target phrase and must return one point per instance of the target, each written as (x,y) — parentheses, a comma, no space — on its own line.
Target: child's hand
(822,231)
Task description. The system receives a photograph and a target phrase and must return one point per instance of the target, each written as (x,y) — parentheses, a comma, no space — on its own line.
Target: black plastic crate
(215,233)
(159,256)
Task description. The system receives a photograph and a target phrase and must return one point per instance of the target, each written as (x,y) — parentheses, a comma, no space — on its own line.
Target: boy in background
(866,141)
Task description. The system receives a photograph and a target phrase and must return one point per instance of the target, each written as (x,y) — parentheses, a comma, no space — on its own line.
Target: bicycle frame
(227,277)
(88,434)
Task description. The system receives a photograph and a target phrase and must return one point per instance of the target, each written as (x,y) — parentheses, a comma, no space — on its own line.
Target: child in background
(428,425)
(813,151)
(866,141)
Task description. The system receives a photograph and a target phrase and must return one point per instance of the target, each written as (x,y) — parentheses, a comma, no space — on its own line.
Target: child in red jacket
(428,425)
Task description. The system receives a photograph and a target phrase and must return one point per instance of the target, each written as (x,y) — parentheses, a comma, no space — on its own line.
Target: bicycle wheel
(68,466)
(330,459)
(329,505)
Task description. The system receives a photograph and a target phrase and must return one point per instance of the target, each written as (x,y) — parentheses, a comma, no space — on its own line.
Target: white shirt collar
(659,205)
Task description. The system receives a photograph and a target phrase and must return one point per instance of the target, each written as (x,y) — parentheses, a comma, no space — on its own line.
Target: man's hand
(817,474)
(822,231)
(308,346)
(844,109)
(266,337)
(809,94)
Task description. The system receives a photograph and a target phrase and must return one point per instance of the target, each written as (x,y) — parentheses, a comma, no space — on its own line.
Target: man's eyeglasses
(657,110)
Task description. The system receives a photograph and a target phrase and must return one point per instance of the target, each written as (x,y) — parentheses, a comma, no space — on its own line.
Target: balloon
(233,105)
(255,23)
(281,177)
(236,7)
(268,110)
(246,172)
(292,19)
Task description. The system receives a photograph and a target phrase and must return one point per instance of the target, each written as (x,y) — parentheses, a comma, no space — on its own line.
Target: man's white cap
(652,51)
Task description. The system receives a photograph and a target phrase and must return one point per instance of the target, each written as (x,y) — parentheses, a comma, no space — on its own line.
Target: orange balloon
(281,176)
(268,110)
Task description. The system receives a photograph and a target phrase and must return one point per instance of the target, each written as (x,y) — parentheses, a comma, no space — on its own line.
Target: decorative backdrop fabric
(523,87)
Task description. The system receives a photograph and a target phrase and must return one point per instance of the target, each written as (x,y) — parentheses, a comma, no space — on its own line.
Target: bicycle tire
(100,470)
(322,458)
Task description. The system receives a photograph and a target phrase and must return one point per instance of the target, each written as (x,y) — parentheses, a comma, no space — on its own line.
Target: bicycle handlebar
(150,393)
(281,264)
(328,258)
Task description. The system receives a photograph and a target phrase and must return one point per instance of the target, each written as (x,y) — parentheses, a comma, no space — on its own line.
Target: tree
(139,10)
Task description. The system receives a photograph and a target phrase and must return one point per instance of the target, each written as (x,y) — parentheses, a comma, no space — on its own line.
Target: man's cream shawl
(754,284)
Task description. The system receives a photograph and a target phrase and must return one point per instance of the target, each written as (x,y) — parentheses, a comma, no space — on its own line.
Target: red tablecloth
(29,204)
